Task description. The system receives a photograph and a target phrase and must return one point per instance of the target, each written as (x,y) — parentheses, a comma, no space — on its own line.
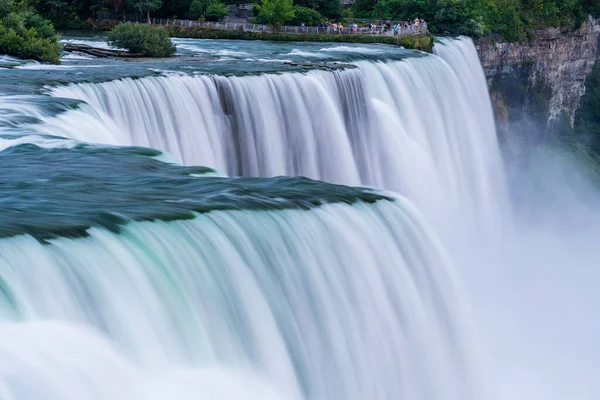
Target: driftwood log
(98,52)
(330,66)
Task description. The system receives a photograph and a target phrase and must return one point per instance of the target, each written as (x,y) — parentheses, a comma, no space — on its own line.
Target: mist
(534,288)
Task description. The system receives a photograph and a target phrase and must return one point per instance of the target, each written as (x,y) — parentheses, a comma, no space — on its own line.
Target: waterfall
(339,302)
(126,277)
(422,127)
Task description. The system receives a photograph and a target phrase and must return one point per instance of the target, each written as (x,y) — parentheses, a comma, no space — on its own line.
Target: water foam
(342,301)
(376,125)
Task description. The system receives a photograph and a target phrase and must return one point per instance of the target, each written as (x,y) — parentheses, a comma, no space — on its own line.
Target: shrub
(16,22)
(381,10)
(25,34)
(106,25)
(145,6)
(211,10)
(424,43)
(276,12)
(41,49)
(308,16)
(29,46)
(197,9)
(71,22)
(509,26)
(216,11)
(473,28)
(42,26)
(6,7)
(147,40)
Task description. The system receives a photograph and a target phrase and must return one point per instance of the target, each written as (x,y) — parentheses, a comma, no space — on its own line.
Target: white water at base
(340,302)
(47,360)
(422,127)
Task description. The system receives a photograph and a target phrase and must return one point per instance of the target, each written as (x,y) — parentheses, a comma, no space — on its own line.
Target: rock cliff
(540,82)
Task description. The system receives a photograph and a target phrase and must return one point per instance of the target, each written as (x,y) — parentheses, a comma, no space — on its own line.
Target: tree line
(72,14)
(512,20)
(25,29)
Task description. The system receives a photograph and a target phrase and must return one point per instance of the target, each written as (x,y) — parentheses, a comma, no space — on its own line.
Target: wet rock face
(542,80)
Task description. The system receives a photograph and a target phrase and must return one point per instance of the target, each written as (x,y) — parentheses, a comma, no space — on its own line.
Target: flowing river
(229,224)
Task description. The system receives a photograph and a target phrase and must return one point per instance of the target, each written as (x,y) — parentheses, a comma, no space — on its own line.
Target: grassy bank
(424,43)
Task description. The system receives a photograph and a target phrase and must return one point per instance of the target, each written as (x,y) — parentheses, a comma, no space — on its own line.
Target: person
(302,26)
(395,29)
(341,27)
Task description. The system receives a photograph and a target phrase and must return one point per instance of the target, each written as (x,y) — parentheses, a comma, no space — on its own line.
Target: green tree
(308,16)
(363,8)
(147,40)
(145,6)
(216,11)
(405,10)
(329,8)
(451,15)
(276,12)
(509,24)
(25,34)
(572,11)
(197,9)
(591,7)
(114,5)
(86,8)
(6,6)
(212,10)
(174,8)
(51,8)
(381,10)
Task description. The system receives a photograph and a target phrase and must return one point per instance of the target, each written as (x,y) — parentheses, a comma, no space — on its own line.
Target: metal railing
(246,26)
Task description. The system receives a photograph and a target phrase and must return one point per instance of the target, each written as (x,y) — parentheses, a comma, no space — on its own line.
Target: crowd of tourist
(408,26)
(383,28)
(337,27)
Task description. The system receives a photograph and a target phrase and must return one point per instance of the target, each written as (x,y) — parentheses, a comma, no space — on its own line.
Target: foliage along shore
(508,20)
(25,34)
(418,42)
(423,43)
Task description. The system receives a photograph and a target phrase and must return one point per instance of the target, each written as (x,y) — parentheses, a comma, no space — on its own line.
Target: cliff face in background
(539,84)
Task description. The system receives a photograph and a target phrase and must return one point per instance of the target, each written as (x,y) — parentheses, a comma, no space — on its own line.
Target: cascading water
(375,125)
(315,290)
(295,306)
(123,277)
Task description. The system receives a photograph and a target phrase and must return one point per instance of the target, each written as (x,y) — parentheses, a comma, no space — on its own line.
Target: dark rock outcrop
(537,84)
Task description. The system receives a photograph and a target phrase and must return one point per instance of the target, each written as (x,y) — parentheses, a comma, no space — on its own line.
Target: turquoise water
(223,57)
(132,267)
(222,225)
(52,192)
(109,186)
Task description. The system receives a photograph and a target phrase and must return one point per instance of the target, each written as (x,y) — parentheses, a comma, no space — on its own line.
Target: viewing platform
(415,30)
